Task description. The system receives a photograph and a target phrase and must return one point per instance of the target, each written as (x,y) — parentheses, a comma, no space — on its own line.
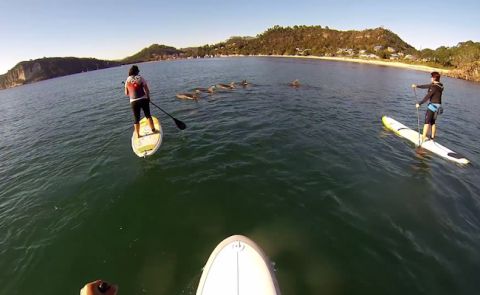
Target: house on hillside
(302,52)
(394,56)
(410,57)
(378,48)
(346,51)
(391,49)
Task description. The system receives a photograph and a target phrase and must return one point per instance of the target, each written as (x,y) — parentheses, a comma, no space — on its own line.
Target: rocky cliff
(470,72)
(46,68)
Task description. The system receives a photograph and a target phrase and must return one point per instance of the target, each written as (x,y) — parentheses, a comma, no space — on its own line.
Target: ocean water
(339,204)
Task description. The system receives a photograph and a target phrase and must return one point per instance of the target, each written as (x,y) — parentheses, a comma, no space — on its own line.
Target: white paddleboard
(149,142)
(430,145)
(238,266)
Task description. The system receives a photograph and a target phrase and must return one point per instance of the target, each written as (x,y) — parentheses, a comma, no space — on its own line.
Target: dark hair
(133,71)
(436,76)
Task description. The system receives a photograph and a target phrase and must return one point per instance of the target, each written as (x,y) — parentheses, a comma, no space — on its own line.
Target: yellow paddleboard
(149,142)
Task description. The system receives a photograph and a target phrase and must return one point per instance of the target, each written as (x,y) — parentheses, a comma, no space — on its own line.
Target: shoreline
(454,73)
(395,64)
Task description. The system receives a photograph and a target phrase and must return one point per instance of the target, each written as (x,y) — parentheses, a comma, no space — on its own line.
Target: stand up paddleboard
(238,266)
(149,142)
(430,145)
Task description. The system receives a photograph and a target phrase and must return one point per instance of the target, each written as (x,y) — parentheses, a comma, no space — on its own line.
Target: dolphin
(226,86)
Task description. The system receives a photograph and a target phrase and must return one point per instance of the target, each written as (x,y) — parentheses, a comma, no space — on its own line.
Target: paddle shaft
(162,110)
(418,117)
(179,123)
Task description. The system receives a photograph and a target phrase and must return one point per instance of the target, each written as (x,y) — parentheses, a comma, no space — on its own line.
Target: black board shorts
(143,104)
(430,117)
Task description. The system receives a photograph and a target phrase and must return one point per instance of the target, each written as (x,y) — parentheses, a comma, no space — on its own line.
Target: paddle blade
(180,124)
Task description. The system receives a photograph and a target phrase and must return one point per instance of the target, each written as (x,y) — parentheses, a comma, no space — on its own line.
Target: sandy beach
(367,61)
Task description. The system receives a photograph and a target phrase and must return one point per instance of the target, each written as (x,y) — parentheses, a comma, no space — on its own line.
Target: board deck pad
(149,142)
(430,145)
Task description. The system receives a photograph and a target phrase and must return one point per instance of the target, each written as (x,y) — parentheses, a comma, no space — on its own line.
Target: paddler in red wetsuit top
(137,89)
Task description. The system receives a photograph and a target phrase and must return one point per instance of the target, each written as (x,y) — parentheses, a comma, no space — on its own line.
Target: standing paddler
(136,89)
(434,107)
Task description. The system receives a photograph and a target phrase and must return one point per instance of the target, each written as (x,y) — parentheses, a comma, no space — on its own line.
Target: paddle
(418,117)
(179,123)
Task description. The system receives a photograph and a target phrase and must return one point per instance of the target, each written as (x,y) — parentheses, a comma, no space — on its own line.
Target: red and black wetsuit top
(135,84)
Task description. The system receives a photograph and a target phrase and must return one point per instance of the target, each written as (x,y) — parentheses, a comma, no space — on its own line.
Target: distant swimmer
(210,89)
(188,95)
(295,83)
(226,86)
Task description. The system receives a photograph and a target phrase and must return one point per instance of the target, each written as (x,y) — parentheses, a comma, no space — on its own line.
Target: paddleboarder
(434,107)
(136,88)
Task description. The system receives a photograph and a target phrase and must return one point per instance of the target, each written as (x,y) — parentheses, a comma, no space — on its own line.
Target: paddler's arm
(426,86)
(147,91)
(428,96)
(126,89)
(145,88)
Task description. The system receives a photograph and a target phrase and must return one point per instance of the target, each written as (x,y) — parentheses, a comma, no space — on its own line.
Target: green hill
(464,58)
(154,52)
(309,40)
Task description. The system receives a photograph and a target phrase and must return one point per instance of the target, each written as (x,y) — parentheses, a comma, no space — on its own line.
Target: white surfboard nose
(238,266)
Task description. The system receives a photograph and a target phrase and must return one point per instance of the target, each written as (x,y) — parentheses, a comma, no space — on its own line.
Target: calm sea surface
(341,205)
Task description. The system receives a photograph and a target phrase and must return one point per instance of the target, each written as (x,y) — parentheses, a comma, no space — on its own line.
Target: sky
(114,29)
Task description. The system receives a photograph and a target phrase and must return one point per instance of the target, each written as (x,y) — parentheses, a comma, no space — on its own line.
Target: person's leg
(146,111)
(136,117)
(434,127)
(136,126)
(152,125)
(429,121)
(426,128)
